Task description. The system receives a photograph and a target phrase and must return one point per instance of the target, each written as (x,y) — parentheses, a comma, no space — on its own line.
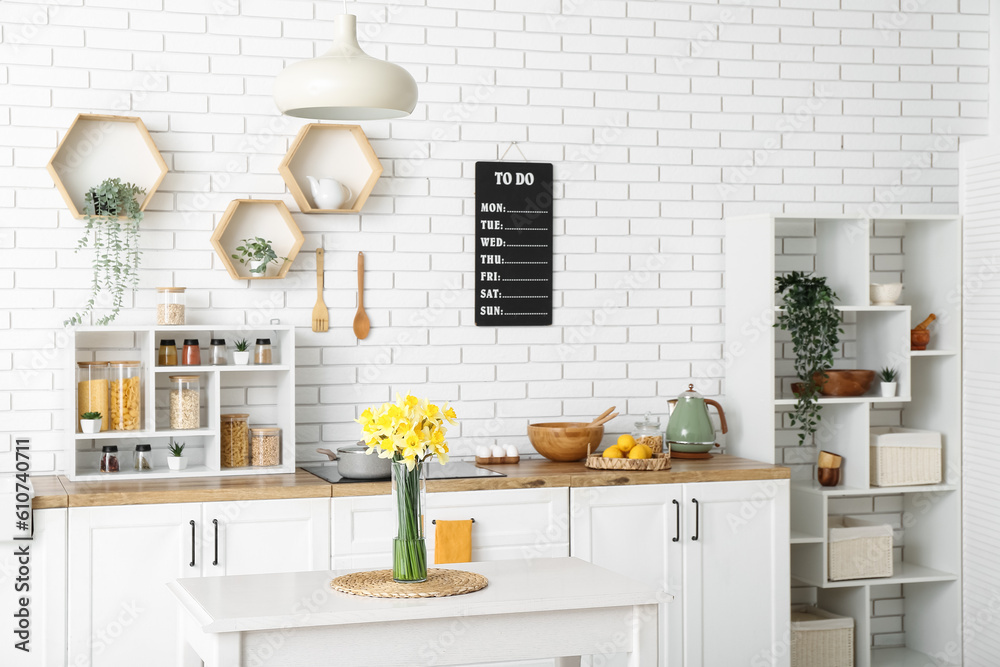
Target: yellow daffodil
(411,429)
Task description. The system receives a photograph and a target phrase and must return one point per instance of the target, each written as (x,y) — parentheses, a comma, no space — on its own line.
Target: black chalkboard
(513,244)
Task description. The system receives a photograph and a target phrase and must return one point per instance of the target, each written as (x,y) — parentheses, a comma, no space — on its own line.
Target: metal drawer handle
(697,513)
(216,561)
(677,531)
(434,521)
(192,542)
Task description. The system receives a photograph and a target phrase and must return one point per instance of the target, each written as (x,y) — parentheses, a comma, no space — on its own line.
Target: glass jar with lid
(109,458)
(170,305)
(126,395)
(265,446)
(235,440)
(218,352)
(262,352)
(142,458)
(92,390)
(649,432)
(192,352)
(167,353)
(185,402)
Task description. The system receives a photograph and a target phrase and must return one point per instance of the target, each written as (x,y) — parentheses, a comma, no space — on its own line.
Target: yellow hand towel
(453,542)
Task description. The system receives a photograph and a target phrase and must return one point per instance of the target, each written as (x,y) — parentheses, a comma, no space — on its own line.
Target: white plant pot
(888,389)
(177,462)
(241,358)
(90,425)
(257,268)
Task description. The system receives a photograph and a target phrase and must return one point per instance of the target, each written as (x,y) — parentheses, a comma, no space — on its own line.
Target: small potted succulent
(257,254)
(90,422)
(176,460)
(241,357)
(888,376)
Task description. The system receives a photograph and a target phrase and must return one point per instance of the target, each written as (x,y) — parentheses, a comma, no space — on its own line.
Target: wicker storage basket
(859,549)
(658,462)
(905,456)
(821,639)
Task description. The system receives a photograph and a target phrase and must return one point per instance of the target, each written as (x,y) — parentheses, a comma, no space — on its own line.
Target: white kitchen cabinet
(510,523)
(122,558)
(46,593)
(721,549)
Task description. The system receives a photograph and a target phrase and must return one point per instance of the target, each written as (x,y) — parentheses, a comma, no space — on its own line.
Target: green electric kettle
(690,432)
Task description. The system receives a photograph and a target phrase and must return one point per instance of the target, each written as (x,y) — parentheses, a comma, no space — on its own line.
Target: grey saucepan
(354,462)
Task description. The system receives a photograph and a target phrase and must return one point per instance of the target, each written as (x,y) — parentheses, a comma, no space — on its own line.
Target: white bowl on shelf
(885,294)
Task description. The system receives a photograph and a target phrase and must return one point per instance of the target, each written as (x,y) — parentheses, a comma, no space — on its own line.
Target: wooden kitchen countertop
(528,474)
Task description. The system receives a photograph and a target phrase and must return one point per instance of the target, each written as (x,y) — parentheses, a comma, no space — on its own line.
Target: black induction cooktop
(452,470)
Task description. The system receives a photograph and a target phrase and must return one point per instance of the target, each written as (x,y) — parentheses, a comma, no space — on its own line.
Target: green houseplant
(242,354)
(887,376)
(176,460)
(810,316)
(113,214)
(90,422)
(256,254)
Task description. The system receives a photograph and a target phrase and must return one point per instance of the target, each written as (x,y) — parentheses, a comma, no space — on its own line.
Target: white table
(545,608)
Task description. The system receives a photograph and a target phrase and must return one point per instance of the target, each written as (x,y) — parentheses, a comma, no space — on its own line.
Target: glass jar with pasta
(235,445)
(185,402)
(92,390)
(125,395)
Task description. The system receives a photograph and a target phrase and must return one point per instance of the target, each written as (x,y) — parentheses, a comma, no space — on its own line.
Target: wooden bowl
(844,383)
(919,338)
(565,441)
(828,476)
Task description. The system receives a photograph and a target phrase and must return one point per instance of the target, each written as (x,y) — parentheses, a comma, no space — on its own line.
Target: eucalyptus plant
(113,214)
(810,316)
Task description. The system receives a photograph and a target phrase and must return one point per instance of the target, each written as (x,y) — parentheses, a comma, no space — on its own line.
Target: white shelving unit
(852,252)
(266,393)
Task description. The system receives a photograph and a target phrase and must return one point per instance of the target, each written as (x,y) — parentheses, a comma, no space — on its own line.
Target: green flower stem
(409,550)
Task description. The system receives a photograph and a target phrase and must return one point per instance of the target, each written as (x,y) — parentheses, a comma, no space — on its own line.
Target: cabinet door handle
(216,561)
(677,531)
(697,513)
(192,542)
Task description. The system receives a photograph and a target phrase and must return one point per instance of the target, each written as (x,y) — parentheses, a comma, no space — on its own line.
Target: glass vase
(409,551)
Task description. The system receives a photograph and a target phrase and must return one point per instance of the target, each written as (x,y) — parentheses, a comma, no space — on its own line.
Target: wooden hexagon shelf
(96,148)
(341,152)
(247,218)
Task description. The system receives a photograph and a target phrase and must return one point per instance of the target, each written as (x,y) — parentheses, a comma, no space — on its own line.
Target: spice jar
(109,458)
(185,401)
(262,351)
(265,446)
(142,458)
(92,390)
(192,352)
(235,446)
(648,432)
(218,351)
(170,305)
(126,395)
(167,354)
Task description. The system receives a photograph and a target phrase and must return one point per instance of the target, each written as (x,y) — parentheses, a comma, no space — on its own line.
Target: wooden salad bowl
(565,441)
(844,383)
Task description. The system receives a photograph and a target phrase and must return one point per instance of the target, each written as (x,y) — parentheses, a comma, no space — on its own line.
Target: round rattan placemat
(440,583)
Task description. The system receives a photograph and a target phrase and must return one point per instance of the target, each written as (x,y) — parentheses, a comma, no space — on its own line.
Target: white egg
(496,451)
(483,451)
(510,450)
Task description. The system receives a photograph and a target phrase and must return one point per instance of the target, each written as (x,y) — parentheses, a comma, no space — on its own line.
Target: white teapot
(329,193)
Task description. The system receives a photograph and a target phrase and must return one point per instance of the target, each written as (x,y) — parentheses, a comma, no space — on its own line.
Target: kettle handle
(722,415)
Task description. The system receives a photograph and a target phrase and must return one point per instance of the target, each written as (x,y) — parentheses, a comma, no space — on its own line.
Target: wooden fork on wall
(321,316)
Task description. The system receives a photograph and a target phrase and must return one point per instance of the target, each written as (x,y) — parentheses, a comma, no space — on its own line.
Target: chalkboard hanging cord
(513,144)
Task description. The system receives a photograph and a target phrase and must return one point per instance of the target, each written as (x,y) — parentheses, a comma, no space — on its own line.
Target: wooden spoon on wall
(361,324)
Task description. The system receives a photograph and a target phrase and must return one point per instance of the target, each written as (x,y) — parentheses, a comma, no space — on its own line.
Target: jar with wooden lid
(235,444)
(185,402)
(265,446)
(126,395)
(170,305)
(92,390)
(649,432)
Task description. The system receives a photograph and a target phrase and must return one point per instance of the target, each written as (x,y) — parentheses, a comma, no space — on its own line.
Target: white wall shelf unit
(924,253)
(265,392)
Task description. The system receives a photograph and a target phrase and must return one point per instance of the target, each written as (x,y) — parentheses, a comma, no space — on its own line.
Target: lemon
(641,452)
(626,443)
(613,452)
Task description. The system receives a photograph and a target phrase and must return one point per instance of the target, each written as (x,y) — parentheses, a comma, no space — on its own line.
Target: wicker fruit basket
(658,462)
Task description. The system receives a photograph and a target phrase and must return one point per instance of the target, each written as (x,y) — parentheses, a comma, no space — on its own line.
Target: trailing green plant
(888,374)
(112,230)
(257,249)
(242,345)
(810,316)
(90,415)
(176,449)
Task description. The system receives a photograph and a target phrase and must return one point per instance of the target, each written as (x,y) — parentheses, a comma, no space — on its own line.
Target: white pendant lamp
(345,83)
